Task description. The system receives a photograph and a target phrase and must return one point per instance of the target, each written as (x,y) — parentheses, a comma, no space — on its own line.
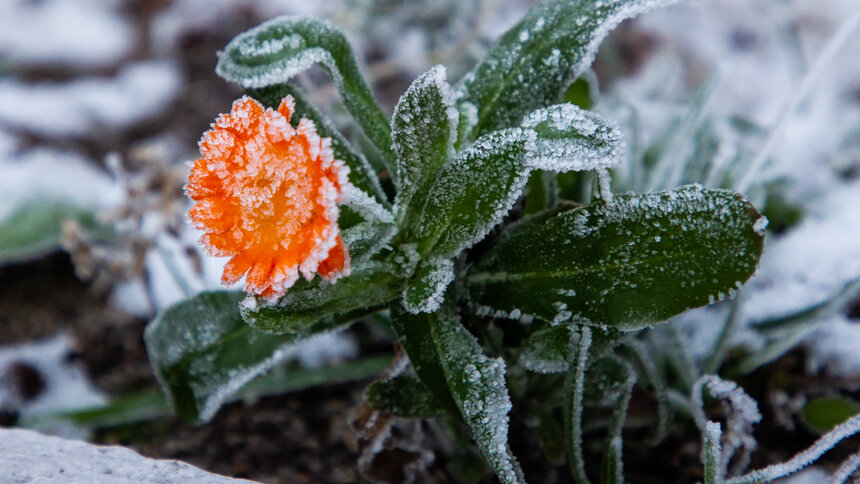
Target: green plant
(498,289)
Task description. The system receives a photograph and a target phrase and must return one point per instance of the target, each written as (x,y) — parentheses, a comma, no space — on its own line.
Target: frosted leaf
(202,352)
(310,302)
(628,264)
(572,139)
(423,132)
(534,62)
(478,386)
(366,239)
(472,193)
(276,50)
(426,290)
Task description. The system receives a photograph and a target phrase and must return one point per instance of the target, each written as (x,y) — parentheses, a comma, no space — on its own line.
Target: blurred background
(102,103)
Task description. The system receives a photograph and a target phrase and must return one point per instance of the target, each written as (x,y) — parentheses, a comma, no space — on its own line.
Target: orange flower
(267,195)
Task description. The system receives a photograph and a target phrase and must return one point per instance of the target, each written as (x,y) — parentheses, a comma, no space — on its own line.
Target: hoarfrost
(484,402)
(426,292)
(572,139)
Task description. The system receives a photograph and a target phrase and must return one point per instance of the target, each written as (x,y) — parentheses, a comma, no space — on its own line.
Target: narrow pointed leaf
(361,174)
(273,52)
(479,388)
(423,129)
(472,193)
(414,333)
(202,352)
(450,361)
(533,63)
(628,264)
(309,302)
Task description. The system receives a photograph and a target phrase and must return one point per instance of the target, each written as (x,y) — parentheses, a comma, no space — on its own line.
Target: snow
(66,386)
(44,174)
(813,261)
(73,33)
(90,106)
(27,456)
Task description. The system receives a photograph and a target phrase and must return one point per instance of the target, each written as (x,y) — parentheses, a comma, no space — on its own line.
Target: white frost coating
(847,469)
(88,106)
(628,10)
(27,456)
(430,287)
(80,33)
(742,411)
(356,199)
(581,140)
(416,133)
(577,406)
(66,385)
(42,174)
(712,451)
(460,176)
(823,444)
(279,71)
(485,402)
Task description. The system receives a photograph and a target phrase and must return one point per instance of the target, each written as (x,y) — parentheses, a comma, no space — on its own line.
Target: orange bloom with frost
(267,195)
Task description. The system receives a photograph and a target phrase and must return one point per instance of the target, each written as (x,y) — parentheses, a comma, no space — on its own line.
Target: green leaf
(404,396)
(306,304)
(450,361)
(202,352)
(414,333)
(541,192)
(534,62)
(423,129)
(628,263)
(546,350)
(361,174)
(426,290)
(824,413)
(273,52)
(572,139)
(582,91)
(34,229)
(471,194)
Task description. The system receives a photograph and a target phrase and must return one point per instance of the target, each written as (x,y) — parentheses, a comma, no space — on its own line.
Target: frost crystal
(573,139)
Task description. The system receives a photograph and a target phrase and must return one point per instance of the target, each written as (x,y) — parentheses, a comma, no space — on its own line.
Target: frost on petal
(267,195)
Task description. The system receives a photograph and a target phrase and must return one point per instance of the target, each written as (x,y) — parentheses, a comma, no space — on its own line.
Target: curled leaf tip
(267,196)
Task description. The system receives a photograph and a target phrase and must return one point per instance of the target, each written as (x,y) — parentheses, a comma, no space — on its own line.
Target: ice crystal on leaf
(267,195)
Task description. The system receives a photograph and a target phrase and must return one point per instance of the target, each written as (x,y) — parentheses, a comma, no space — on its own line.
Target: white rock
(29,457)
